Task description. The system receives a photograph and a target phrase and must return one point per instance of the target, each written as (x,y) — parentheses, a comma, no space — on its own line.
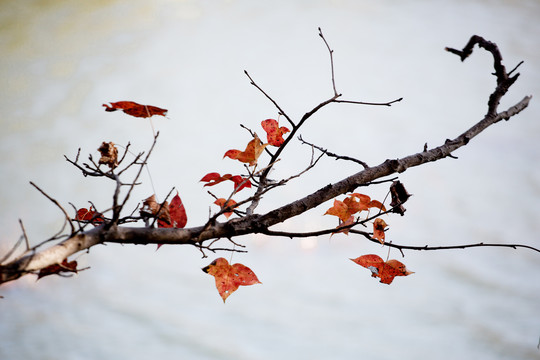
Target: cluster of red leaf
(134,109)
(171,215)
(230,277)
(386,271)
(274,136)
(351,205)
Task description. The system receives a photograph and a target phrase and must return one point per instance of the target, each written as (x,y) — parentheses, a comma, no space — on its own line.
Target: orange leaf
(214,179)
(376,204)
(134,109)
(354,203)
(386,271)
(230,277)
(340,209)
(223,203)
(357,205)
(274,133)
(253,150)
(378,229)
(65,266)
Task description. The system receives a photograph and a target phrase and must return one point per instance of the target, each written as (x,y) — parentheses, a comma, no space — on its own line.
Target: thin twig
(24,235)
(338,157)
(331,52)
(68,218)
(388,103)
(10,252)
(269,98)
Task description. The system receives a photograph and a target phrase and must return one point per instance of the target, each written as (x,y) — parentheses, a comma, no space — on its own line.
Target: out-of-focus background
(61,60)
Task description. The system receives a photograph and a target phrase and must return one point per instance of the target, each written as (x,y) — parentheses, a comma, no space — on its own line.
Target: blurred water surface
(61,60)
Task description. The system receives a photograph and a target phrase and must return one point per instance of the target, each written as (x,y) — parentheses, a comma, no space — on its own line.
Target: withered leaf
(63,267)
(150,208)
(399,196)
(109,154)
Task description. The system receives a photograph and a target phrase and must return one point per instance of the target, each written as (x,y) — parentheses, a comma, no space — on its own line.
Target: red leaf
(214,179)
(177,215)
(134,109)
(57,269)
(230,277)
(274,133)
(84,214)
(386,271)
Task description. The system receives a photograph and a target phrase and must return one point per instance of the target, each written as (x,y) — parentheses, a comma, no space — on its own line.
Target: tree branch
(261,223)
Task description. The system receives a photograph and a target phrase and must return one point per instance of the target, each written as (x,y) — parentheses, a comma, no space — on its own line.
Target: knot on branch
(396,165)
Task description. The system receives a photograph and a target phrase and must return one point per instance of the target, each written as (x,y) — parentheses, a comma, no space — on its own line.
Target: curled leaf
(378,229)
(250,155)
(230,277)
(58,269)
(109,154)
(134,109)
(399,196)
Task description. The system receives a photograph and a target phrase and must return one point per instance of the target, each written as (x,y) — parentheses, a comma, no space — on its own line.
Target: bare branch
(331,52)
(269,98)
(338,157)
(24,235)
(67,217)
(204,237)
(388,103)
